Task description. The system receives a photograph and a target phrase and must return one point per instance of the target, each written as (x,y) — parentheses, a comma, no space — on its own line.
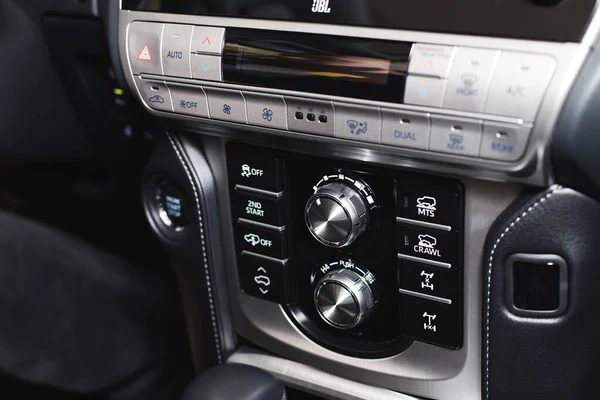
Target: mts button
(430,206)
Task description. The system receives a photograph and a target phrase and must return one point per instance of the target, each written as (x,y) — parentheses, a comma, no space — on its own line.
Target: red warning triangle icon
(145,54)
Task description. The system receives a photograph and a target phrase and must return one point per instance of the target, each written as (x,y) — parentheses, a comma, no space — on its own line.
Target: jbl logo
(321,6)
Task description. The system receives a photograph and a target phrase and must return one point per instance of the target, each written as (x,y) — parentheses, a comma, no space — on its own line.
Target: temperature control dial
(345,297)
(338,212)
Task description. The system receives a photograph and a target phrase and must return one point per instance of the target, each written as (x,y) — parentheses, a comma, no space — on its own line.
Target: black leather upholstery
(537,358)
(235,382)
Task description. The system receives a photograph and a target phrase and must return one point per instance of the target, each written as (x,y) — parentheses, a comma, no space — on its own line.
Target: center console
(353,158)
(364,260)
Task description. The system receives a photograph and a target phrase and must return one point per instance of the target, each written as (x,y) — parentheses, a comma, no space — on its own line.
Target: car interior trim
(209,283)
(545,197)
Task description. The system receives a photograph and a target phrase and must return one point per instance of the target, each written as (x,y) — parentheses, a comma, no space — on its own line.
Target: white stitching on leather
(551,191)
(211,303)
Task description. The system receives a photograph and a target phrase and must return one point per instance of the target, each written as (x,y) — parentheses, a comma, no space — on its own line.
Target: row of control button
(462,136)
(429,264)
(261,233)
(183,51)
(479,80)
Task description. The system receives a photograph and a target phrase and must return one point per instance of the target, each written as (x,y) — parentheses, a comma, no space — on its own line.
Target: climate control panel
(364,260)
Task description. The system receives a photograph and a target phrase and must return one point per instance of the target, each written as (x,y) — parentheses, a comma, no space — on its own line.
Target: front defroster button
(469,79)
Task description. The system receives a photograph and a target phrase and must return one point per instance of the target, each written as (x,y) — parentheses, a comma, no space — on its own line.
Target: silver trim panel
(532,168)
(425,296)
(421,370)
(423,223)
(311,379)
(424,261)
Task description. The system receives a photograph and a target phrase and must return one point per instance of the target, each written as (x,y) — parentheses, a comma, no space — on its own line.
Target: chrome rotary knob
(344,298)
(337,214)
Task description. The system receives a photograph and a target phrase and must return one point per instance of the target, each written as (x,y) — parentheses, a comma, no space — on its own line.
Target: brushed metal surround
(312,380)
(422,369)
(532,168)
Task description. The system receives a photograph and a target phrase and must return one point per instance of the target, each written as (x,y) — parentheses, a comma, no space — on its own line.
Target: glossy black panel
(342,66)
(555,20)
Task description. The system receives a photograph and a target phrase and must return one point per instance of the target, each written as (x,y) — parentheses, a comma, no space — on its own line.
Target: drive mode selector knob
(338,212)
(344,298)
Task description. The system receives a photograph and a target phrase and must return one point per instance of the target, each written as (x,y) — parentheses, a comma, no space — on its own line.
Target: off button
(255,172)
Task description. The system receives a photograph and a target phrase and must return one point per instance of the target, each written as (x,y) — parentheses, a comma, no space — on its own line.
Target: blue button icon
(502,148)
(156,99)
(205,67)
(405,135)
(226,109)
(357,128)
(423,91)
(455,142)
(267,114)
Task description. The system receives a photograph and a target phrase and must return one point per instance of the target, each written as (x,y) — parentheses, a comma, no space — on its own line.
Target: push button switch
(263,278)
(437,246)
(431,322)
(255,171)
(427,205)
(434,283)
(258,207)
(155,94)
(176,50)
(144,47)
(262,239)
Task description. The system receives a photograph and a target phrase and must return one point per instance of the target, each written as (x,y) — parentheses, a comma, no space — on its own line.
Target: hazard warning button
(144,47)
